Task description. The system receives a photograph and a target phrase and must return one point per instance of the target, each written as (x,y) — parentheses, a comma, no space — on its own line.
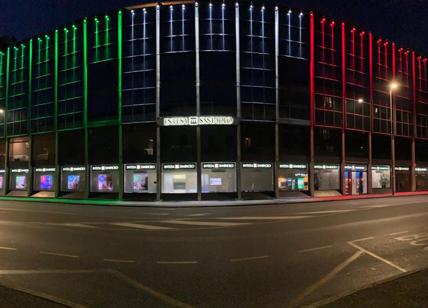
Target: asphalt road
(246,256)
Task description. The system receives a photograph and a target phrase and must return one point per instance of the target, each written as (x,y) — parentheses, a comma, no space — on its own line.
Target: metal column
(276,165)
(158,140)
(198,103)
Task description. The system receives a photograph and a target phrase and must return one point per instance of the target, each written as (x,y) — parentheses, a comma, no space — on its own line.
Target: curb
(207,203)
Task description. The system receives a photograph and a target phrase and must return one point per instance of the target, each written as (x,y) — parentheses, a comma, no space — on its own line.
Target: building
(211,100)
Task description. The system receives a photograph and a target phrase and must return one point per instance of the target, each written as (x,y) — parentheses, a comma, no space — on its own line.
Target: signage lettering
(194,121)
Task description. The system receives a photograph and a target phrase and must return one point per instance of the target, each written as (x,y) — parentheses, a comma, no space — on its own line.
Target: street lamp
(360,100)
(393,86)
(1,110)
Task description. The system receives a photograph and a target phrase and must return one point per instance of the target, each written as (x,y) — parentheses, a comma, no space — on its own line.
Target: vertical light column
(370,164)
(392,98)
(158,135)
(275,173)
(30,73)
(85,104)
(312,103)
(414,114)
(343,154)
(119,97)
(238,103)
(198,102)
(57,173)
(6,106)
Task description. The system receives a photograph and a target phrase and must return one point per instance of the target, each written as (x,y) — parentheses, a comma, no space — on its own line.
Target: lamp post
(393,86)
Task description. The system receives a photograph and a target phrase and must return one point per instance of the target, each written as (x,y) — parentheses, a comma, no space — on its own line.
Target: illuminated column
(85,104)
(57,173)
(198,102)
(158,139)
(119,96)
(6,176)
(30,73)
(370,164)
(238,103)
(312,103)
(276,165)
(343,154)
(413,171)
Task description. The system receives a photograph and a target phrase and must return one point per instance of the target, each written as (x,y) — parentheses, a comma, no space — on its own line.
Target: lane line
(377,257)
(198,214)
(156,294)
(176,262)
(362,239)
(139,226)
(69,224)
(7,248)
(327,212)
(398,233)
(49,253)
(325,279)
(204,223)
(265,217)
(119,261)
(315,249)
(46,271)
(249,258)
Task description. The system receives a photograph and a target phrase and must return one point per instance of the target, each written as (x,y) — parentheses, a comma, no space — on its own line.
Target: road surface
(246,256)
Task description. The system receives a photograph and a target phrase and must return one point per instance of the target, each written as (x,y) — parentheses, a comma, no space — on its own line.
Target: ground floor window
(381,177)
(218,177)
(355,179)
(140,178)
(421,178)
(179,178)
(104,178)
(257,177)
(293,177)
(327,177)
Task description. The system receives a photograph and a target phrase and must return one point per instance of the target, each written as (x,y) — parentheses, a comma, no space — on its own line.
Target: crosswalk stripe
(265,217)
(139,226)
(204,223)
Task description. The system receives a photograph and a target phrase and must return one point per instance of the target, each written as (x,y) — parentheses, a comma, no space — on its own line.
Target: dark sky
(404,22)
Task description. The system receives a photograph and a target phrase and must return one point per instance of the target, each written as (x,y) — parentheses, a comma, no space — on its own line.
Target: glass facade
(211,100)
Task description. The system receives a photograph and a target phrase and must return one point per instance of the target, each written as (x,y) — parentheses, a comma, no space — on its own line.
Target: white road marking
(377,257)
(36,211)
(249,258)
(327,212)
(312,288)
(176,262)
(156,294)
(45,271)
(198,214)
(362,239)
(7,248)
(119,261)
(204,223)
(265,217)
(398,233)
(74,225)
(314,249)
(139,226)
(49,253)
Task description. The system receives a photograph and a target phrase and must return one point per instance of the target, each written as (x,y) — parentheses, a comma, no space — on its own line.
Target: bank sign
(195,121)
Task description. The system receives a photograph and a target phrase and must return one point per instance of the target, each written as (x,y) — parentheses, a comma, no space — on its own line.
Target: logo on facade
(195,121)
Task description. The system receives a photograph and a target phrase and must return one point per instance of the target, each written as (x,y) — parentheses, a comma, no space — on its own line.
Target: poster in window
(73,182)
(21,182)
(46,182)
(140,182)
(105,182)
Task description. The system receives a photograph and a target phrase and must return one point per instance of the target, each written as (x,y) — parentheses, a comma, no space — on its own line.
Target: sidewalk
(209,203)
(408,291)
